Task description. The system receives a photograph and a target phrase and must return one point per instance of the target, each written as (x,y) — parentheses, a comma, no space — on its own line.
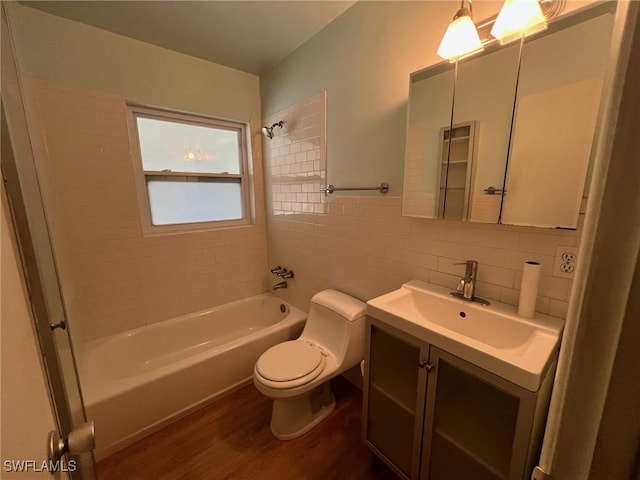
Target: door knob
(80,440)
(60,324)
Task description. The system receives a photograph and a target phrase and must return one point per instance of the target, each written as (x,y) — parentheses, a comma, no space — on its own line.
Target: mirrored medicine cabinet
(506,136)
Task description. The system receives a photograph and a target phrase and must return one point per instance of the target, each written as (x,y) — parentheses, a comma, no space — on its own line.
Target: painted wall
(27,416)
(363,245)
(363,59)
(113,277)
(68,52)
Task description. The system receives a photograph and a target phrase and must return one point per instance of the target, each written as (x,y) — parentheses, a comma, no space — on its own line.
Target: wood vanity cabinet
(432,416)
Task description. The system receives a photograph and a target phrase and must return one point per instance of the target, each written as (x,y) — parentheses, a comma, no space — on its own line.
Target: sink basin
(493,337)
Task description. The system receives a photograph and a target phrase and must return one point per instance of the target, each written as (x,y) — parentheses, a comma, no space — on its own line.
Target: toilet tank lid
(344,305)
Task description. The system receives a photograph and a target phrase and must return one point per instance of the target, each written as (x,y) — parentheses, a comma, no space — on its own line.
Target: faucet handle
(471,267)
(277,270)
(284,273)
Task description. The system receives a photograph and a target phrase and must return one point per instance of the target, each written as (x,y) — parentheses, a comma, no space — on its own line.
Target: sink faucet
(467,284)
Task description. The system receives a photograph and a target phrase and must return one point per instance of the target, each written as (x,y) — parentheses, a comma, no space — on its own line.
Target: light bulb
(518,18)
(461,38)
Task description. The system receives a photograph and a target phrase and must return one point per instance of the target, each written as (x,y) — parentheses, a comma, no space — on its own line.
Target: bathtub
(136,382)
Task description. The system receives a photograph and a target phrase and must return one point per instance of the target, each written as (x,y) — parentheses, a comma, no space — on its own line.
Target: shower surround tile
(296,158)
(114,278)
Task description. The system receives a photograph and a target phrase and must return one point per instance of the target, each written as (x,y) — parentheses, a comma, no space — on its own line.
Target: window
(192,170)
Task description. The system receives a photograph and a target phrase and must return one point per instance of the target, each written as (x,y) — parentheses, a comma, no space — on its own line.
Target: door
(47,305)
(393,404)
(477,425)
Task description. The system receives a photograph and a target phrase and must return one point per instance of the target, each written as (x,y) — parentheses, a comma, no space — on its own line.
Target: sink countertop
(492,337)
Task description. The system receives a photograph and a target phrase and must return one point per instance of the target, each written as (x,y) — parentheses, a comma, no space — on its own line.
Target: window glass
(183,147)
(175,200)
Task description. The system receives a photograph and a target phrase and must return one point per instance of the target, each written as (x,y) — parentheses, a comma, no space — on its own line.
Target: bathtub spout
(280,285)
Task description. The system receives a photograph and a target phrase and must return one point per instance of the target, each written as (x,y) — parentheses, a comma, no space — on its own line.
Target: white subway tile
(509,295)
(443,279)
(558,308)
(498,276)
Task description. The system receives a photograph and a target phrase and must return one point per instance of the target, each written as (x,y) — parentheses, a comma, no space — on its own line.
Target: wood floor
(231,440)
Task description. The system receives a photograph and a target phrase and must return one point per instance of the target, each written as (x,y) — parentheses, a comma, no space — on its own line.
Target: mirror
(486,98)
(554,124)
(431,98)
(515,148)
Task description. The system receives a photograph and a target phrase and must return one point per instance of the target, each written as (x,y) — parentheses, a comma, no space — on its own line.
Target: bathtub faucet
(280,285)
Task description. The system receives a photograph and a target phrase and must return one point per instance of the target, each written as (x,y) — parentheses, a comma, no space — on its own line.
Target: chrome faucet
(467,284)
(280,285)
(282,272)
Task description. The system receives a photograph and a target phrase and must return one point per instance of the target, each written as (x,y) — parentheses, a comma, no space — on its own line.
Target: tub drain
(283,307)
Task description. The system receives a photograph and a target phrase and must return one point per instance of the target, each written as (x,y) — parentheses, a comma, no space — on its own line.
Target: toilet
(296,374)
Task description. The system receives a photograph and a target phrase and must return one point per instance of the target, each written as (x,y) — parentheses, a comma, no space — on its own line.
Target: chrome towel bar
(382,188)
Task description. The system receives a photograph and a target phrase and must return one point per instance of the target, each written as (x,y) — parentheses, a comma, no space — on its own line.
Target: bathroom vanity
(452,390)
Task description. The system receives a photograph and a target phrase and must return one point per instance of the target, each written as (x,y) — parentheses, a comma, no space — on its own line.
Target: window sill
(178,229)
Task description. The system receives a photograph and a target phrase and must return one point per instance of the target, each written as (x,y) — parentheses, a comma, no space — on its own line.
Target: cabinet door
(394,389)
(477,425)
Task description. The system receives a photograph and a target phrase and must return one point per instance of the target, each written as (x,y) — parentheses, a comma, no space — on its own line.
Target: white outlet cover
(562,267)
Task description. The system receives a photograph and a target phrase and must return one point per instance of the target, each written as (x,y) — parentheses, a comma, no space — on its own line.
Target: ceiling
(247,35)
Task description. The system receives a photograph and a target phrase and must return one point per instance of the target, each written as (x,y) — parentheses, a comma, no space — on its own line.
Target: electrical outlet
(565,263)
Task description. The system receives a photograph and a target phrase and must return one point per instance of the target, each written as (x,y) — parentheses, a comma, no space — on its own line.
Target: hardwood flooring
(230,439)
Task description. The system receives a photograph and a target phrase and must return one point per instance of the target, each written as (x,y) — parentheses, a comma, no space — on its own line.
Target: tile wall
(297,157)
(365,247)
(113,277)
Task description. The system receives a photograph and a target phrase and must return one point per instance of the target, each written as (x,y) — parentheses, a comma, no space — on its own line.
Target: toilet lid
(289,361)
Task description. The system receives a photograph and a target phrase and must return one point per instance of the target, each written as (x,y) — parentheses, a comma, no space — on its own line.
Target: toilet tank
(336,322)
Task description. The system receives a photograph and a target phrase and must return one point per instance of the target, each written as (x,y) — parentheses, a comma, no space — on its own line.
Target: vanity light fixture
(518,18)
(461,38)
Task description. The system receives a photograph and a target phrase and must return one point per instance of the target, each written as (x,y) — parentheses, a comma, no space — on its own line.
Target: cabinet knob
(426,365)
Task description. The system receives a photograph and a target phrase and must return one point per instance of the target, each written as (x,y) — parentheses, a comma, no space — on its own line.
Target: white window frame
(244,176)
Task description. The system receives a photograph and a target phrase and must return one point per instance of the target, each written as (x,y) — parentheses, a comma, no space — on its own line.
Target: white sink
(493,337)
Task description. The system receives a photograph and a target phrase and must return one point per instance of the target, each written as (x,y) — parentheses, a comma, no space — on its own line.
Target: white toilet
(296,374)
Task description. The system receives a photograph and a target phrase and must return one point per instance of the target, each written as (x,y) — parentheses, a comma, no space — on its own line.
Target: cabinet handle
(426,365)
(493,190)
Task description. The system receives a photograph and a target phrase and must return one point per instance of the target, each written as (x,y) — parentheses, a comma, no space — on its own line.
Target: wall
(363,245)
(68,52)
(297,157)
(27,415)
(363,59)
(113,277)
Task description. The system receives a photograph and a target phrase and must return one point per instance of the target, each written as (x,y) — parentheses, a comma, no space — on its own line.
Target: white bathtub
(137,381)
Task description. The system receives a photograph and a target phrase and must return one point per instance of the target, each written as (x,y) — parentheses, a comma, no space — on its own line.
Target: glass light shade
(518,18)
(461,39)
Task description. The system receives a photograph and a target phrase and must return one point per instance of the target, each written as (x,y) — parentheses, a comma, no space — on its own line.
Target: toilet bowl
(296,374)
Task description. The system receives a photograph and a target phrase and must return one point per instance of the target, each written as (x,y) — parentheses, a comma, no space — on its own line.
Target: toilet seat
(290,364)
